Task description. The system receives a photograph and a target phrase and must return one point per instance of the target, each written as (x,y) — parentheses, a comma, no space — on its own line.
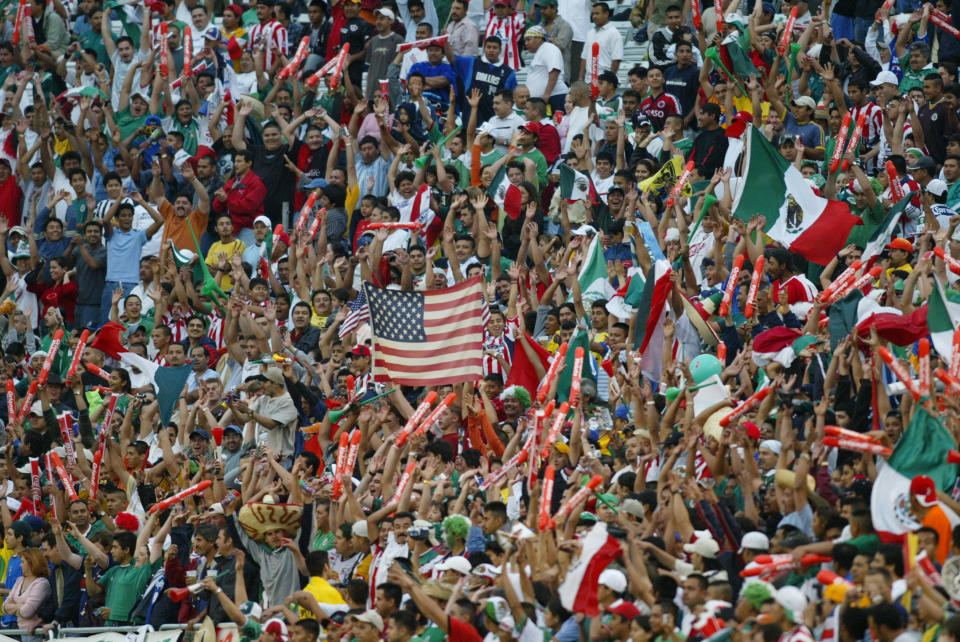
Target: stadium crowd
(481,320)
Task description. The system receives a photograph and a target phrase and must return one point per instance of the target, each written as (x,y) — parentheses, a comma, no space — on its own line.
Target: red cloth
(245,196)
(462,632)
(549,144)
(522,372)
(63,296)
(10,197)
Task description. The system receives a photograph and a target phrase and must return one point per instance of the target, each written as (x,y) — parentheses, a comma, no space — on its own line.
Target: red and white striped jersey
(178,328)
(873,126)
(502,343)
(275,36)
(509,30)
(215,333)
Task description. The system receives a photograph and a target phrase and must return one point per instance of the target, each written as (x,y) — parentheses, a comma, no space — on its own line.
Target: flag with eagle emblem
(576,186)
(796,218)
(505,194)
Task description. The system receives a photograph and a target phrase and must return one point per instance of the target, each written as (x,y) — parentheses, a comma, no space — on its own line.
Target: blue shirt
(430,71)
(123,255)
(810,133)
(14,571)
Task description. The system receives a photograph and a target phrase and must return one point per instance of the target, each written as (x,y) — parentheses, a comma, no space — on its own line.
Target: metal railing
(70,631)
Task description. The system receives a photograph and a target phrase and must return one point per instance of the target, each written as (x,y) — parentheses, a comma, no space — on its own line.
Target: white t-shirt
(547,58)
(142,221)
(611,48)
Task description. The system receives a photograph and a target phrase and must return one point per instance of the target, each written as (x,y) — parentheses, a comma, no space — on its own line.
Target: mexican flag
(623,304)
(580,339)
(167,380)
(594,283)
(576,186)
(578,592)
(943,311)
(651,310)
(796,217)
(505,194)
(922,451)
(884,232)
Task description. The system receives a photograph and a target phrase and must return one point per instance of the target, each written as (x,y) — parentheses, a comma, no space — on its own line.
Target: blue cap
(153,120)
(233,427)
(34,522)
(200,432)
(315,183)
(622,413)
(768,8)
(213,33)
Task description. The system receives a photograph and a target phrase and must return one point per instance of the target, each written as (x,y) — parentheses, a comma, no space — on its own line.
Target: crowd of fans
(155,161)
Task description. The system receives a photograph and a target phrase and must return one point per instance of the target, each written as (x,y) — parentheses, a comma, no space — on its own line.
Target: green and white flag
(943,311)
(594,283)
(576,186)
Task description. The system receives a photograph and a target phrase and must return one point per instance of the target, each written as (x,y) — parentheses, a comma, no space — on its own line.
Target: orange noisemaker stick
(51,355)
(546,496)
(837,431)
(845,277)
(578,498)
(558,362)
(78,353)
(731,285)
(433,416)
(900,371)
(787,32)
(955,355)
(854,138)
(678,186)
(752,402)
(840,143)
(187,52)
(576,377)
(595,70)
(404,480)
(858,284)
(754,287)
(182,495)
(951,262)
(554,431)
(923,365)
(857,445)
(415,419)
(341,462)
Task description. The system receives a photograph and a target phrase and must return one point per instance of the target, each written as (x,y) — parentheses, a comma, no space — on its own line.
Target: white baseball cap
(457,563)
(756,541)
(614,580)
(885,78)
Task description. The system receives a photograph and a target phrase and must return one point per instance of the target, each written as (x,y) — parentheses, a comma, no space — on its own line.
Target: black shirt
(684,84)
(709,148)
(356,32)
(271,167)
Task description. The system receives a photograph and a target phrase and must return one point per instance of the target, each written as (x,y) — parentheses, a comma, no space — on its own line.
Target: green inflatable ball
(703,367)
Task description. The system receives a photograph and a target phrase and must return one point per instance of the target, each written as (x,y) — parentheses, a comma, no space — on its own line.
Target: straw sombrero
(260,518)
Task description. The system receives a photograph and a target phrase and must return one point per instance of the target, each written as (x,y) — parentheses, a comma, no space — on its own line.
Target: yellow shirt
(236,246)
(325,595)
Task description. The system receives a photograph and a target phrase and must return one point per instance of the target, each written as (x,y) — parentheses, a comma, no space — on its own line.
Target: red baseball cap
(924,490)
(532,127)
(624,609)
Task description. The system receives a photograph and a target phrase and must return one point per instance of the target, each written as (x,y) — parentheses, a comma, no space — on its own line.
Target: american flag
(427,338)
(359,313)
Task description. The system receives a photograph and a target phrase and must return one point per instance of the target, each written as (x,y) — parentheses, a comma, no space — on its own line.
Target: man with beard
(180,216)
